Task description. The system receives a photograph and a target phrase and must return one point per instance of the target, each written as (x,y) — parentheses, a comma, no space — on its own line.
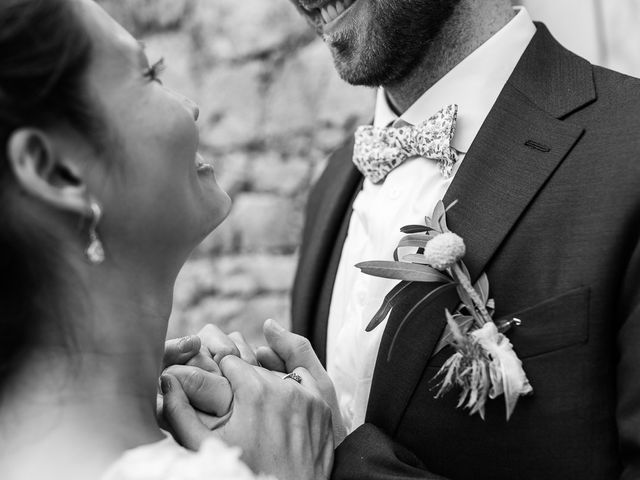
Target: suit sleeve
(370,454)
(628,408)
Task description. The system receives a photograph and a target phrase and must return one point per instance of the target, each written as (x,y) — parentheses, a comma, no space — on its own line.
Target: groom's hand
(287,352)
(284,428)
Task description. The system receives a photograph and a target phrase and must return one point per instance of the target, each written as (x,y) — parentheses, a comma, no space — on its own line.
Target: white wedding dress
(166,460)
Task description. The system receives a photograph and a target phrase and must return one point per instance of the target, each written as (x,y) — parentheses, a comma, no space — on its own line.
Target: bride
(102,198)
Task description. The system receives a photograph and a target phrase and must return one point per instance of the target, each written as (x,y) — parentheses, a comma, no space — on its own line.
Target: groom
(547,184)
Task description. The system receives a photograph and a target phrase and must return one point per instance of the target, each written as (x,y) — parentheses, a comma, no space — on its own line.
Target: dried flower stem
(464,281)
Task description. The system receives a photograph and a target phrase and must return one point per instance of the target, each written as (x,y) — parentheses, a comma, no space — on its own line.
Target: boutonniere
(484,364)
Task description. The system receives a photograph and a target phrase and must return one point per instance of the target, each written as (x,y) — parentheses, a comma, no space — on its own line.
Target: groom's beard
(388,40)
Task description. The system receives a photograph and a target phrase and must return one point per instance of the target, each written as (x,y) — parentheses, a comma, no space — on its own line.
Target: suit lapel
(329,209)
(520,145)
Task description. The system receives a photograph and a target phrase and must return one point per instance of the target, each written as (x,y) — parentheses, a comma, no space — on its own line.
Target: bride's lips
(203,167)
(326,14)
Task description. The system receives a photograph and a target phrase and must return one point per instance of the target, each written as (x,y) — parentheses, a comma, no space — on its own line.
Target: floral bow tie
(378,150)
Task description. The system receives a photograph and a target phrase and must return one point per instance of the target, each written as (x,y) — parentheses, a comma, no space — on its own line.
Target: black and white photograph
(320,239)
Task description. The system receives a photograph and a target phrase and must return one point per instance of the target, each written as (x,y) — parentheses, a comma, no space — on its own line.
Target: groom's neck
(472,24)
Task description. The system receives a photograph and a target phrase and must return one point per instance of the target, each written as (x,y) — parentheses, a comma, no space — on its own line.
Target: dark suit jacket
(549,206)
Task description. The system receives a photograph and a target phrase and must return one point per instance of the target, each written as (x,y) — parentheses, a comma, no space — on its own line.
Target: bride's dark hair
(44,54)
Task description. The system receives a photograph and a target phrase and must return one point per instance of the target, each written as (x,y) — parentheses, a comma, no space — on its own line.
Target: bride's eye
(153,72)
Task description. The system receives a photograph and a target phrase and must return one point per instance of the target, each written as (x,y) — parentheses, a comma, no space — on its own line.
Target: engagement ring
(293,376)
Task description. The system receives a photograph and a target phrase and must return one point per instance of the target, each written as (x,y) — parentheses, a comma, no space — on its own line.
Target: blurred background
(272,110)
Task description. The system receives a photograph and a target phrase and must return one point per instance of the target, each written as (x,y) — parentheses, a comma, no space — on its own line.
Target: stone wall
(272,109)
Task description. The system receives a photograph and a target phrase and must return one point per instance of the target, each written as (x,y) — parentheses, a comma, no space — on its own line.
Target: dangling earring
(95,250)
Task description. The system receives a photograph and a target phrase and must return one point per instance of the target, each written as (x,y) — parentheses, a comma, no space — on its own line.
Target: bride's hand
(287,352)
(191,361)
(284,428)
(206,349)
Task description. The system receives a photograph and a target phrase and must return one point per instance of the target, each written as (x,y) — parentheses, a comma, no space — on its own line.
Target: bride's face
(156,194)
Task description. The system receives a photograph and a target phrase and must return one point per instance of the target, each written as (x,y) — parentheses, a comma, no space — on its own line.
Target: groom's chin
(356,68)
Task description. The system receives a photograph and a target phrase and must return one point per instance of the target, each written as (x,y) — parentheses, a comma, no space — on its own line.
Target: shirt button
(394,194)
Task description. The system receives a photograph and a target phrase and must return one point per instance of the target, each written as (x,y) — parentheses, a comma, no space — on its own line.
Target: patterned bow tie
(378,150)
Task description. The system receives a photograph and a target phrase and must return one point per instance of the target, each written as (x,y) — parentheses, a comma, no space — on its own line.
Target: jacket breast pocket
(559,322)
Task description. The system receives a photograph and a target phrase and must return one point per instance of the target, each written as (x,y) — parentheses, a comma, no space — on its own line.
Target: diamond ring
(293,376)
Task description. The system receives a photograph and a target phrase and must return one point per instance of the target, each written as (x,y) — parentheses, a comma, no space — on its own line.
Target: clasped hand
(214,384)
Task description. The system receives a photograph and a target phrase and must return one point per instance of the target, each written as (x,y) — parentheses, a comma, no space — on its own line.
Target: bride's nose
(192,107)
(188,104)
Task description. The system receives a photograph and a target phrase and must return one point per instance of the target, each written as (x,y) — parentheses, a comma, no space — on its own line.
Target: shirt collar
(474,84)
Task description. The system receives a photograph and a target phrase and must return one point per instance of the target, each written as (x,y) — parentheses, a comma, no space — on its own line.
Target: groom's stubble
(387,39)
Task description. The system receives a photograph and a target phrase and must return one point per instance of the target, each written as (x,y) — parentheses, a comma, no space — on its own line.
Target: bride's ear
(44,172)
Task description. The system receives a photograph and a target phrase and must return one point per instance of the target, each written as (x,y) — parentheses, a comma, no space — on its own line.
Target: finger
(205,361)
(295,350)
(246,352)
(180,350)
(206,391)
(162,423)
(211,421)
(242,376)
(270,359)
(311,384)
(180,415)
(217,343)
(307,381)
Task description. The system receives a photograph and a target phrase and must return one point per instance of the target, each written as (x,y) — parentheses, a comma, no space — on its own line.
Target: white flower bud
(444,250)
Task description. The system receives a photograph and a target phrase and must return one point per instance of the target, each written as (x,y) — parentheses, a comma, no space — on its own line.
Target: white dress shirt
(409,192)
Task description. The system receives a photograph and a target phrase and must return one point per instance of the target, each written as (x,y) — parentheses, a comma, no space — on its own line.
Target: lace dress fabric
(166,460)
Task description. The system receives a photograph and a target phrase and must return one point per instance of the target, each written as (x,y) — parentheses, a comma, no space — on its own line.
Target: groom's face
(376,42)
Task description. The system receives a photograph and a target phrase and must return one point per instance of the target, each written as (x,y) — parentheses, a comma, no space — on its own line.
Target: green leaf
(466,299)
(415,240)
(482,287)
(451,205)
(465,322)
(410,272)
(429,224)
(414,229)
(432,295)
(438,216)
(415,258)
(390,301)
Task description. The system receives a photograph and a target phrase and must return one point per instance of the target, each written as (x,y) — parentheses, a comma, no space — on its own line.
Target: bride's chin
(219,211)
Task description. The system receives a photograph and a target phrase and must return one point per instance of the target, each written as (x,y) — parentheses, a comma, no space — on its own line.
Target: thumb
(295,350)
(180,415)
(180,350)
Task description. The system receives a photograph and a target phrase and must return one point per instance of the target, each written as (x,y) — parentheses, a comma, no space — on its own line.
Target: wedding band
(293,376)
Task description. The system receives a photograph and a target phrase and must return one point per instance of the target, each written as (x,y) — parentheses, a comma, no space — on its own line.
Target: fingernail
(165,384)
(275,325)
(185,344)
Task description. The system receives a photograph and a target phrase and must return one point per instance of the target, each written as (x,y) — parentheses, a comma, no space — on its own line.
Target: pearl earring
(95,250)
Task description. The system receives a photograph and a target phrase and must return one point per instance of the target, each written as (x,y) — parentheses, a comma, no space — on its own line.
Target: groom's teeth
(325,15)
(334,9)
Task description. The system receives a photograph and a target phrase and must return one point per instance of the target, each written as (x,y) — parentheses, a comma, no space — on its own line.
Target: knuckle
(195,382)
(236,335)
(170,408)
(256,388)
(303,345)
(208,328)
(225,351)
